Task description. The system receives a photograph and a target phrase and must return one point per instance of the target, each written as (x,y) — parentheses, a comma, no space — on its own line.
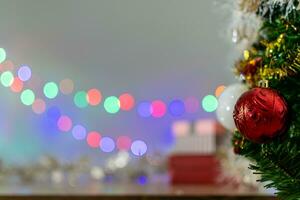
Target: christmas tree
(267,116)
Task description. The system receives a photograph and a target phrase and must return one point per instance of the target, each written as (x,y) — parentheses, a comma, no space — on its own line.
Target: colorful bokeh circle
(107,144)
(50,90)
(112,104)
(93,139)
(139,148)
(144,109)
(27,97)
(123,143)
(210,103)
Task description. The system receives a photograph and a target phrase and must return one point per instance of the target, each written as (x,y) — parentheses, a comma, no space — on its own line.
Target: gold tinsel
(254,69)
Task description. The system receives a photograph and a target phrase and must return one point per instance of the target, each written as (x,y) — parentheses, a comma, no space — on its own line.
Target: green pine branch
(278,161)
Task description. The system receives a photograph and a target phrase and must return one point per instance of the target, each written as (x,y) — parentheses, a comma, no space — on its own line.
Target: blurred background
(111,83)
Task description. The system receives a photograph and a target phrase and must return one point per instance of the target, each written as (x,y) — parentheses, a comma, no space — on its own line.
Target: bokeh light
(138,148)
(2,55)
(93,139)
(79,132)
(50,90)
(97,173)
(94,97)
(142,180)
(126,101)
(66,86)
(219,90)
(210,103)
(176,108)
(123,143)
(7,79)
(53,113)
(27,97)
(17,85)
(80,99)
(112,104)
(107,144)
(64,123)
(191,104)
(24,73)
(158,109)
(7,65)
(144,109)
(39,106)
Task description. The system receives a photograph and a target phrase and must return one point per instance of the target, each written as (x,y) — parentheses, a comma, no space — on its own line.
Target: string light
(176,108)
(79,132)
(123,143)
(7,79)
(158,109)
(2,55)
(145,109)
(7,65)
(64,123)
(107,144)
(191,104)
(126,101)
(66,86)
(39,106)
(112,104)
(17,85)
(138,148)
(93,139)
(50,90)
(219,90)
(27,97)
(209,103)
(80,99)
(24,73)
(94,97)
(53,113)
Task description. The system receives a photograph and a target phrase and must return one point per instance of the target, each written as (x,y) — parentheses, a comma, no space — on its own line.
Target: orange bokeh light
(219,90)
(94,97)
(17,85)
(126,101)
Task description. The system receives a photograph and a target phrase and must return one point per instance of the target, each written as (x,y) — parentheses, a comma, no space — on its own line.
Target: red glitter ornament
(261,114)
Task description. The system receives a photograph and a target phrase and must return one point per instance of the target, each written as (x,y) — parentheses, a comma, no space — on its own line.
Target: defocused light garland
(93,97)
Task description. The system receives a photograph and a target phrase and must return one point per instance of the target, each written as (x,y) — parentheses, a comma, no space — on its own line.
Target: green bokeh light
(2,55)
(112,104)
(7,79)
(27,97)
(209,103)
(50,90)
(80,99)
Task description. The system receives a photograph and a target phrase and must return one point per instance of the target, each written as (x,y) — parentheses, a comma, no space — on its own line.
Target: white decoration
(227,102)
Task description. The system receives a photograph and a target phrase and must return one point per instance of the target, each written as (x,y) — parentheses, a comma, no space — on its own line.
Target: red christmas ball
(261,114)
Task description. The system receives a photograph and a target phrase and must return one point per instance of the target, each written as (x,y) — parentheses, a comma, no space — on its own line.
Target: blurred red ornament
(261,114)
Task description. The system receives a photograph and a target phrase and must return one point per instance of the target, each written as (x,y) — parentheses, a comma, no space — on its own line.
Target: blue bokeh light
(139,148)
(176,108)
(24,73)
(53,113)
(79,132)
(142,180)
(144,109)
(107,144)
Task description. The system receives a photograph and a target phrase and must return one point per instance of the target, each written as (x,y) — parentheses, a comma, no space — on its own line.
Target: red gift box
(193,169)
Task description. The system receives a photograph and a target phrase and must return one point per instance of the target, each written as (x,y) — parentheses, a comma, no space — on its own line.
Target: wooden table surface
(129,192)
